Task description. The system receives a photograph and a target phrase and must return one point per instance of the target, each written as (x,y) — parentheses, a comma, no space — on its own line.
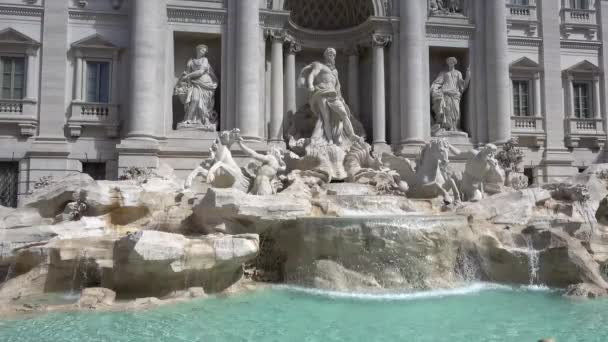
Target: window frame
(580,4)
(517,2)
(85,79)
(14,56)
(588,85)
(530,96)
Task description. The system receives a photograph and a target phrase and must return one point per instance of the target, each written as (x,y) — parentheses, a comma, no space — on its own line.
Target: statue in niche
(445,7)
(265,180)
(446,92)
(325,98)
(196,90)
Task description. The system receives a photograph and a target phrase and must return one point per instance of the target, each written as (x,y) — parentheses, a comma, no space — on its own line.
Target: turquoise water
(477,313)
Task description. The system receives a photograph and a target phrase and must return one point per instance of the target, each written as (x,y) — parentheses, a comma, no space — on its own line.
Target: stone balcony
(522,18)
(530,130)
(582,21)
(20,112)
(87,114)
(520,12)
(590,130)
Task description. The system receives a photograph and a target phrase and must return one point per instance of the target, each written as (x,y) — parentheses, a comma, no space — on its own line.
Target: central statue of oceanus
(325,98)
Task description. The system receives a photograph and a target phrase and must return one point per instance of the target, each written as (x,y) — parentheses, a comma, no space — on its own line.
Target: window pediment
(95,46)
(525,63)
(12,36)
(583,68)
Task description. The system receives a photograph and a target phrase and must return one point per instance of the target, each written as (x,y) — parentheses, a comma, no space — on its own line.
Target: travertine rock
(157,263)
(50,200)
(231,211)
(95,297)
(585,291)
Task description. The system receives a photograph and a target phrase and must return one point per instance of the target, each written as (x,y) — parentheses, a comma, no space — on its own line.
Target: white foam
(392,296)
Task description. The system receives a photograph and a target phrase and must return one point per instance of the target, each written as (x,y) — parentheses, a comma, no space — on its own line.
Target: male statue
(325,99)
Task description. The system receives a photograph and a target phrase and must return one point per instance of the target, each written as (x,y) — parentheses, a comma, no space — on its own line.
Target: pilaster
(557,160)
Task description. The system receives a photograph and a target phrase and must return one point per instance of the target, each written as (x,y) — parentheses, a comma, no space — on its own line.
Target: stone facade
(88,85)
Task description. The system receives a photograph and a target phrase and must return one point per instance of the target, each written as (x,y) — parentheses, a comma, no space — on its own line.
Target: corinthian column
(414,87)
(353,79)
(148,21)
(248,61)
(276,105)
(378,90)
(291,105)
(497,64)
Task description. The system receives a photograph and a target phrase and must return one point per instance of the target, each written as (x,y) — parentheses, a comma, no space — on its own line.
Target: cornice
(447,31)
(196,15)
(274,19)
(525,41)
(580,44)
(97,17)
(22,11)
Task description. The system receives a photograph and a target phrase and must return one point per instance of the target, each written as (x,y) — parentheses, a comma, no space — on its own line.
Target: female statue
(196,90)
(446,92)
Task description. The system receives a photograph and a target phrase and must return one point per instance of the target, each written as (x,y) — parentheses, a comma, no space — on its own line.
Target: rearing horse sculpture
(432,177)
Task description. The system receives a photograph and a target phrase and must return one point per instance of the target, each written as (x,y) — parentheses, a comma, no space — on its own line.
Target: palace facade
(89,85)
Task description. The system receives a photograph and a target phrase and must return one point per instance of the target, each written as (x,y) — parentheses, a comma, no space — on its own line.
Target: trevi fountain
(324,236)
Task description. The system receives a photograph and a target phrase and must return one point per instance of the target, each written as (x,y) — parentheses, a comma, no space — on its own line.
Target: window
(521,98)
(581,100)
(13,77)
(9,181)
(579,4)
(97,171)
(98,82)
(520,2)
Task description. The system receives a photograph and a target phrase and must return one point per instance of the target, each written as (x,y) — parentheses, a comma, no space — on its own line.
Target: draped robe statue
(196,90)
(446,92)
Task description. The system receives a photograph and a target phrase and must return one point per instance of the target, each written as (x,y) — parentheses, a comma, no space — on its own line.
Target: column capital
(293,46)
(381,39)
(352,50)
(275,35)
(32,51)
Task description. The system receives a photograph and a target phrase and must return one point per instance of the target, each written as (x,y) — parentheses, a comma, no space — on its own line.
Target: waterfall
(75,273)
(533,261)
(10,271)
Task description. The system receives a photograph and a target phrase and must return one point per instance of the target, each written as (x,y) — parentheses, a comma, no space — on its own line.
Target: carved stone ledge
(27,129)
